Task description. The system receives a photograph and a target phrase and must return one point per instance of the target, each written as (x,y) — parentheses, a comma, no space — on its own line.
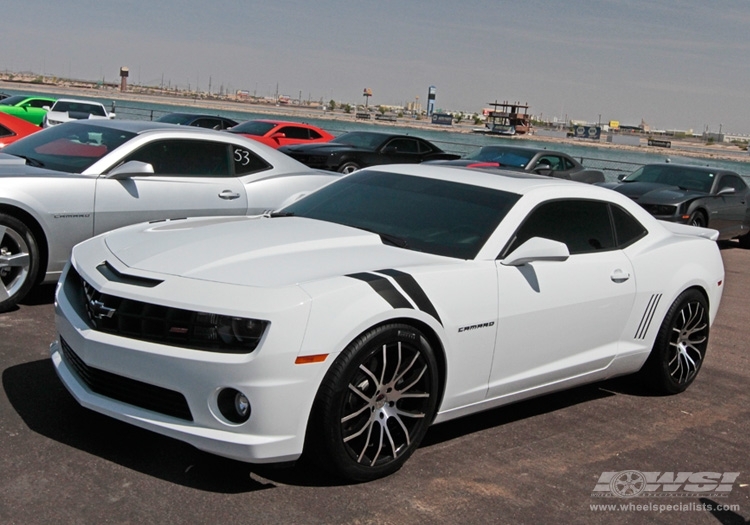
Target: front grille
(156,323)
(130,391)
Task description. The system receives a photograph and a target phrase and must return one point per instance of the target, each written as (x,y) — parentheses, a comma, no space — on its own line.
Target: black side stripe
(648,316)
(410,285)
(385,289)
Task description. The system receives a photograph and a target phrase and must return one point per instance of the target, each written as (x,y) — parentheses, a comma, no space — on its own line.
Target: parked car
(31,109)
(198,120)
(69,182)
(360,149)
(13,128)
(531,160)
(396,297)
(276,133)
(67,109)
(697,195)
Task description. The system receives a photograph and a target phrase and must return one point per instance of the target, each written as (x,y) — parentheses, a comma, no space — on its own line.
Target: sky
(675,64)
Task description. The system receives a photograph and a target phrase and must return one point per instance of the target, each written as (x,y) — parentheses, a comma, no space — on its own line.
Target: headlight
(228,334)
(660,209)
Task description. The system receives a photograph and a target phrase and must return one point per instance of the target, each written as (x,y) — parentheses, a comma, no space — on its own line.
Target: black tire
(680,345)
(698,218)
(744,240)
(375,404)
(19,261)
(348,167)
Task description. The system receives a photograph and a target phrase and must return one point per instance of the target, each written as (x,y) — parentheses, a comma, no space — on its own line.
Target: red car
(13,128)
(276,133)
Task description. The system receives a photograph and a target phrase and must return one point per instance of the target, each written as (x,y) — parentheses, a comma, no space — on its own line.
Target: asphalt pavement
(581,456)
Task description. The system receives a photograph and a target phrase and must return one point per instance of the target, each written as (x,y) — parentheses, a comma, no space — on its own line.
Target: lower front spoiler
(248,448)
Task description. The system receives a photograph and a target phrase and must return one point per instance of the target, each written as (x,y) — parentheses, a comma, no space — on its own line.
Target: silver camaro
(67,183)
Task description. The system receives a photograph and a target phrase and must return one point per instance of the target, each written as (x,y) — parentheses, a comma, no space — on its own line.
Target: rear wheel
(375,403)
(19,261)
(680,345)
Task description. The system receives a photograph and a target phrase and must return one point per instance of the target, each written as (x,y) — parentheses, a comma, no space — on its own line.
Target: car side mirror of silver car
(130,168)
(537,249)
(726,191)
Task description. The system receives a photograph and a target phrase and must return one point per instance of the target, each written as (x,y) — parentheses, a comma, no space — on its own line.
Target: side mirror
(46,108)
(278,136)
(726,191)
(130,168)
(622,176)
(537,249)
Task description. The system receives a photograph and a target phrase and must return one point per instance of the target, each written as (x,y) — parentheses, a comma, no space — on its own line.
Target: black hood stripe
(385,289)
(410,285)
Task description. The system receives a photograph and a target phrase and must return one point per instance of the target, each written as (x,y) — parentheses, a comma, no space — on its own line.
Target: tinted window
(245,161)
(417,213)
(5,132)
(584,226)
(627,228)
(185,157)
(254,127)
(403,146)
(732,181)
(294,132)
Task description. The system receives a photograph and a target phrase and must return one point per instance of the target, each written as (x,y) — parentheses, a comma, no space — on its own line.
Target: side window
(245,161)
(293,132)
(198,158)
(208,123)
(403,146)
(553,161)
(36,103)
(583,225)
(731,181)
(5,132)
(314,134)
(567,164)
(627,228)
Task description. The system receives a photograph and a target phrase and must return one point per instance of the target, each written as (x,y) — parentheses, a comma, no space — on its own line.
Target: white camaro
(391,299)
(67,109)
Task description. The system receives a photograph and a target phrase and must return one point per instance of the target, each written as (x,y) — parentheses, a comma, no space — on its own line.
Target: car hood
(72,115)
(256,251)
(653,192)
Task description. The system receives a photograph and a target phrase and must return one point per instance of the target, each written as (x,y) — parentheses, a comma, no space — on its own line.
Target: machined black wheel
(19,261)
(680,345)
(348,167)
(376,403)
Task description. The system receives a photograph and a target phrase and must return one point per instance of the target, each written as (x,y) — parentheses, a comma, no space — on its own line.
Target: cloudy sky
(677,64)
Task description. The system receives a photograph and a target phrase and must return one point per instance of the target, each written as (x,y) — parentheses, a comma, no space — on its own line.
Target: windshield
(253,127)
(361,139)
(516,158)
(71,147)
(417,213)
(12,101)
(64,106)
(680,176)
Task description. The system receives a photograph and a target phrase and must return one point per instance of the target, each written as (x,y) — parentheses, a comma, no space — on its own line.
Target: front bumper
(280,392)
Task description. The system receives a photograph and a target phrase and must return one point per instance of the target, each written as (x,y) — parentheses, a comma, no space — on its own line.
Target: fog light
(234,405)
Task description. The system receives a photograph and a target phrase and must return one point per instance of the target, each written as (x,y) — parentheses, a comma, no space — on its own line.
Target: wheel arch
(36,229)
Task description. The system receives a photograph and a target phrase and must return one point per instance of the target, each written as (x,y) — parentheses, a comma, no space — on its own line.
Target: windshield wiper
(281,214)
(32,161)
(387,238)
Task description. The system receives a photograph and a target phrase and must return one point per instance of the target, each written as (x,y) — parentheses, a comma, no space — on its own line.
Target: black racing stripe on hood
(384,288)
(410,285)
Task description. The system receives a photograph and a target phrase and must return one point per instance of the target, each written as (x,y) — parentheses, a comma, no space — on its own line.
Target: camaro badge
(99,310)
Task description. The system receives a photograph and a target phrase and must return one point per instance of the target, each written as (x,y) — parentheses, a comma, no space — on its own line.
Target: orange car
(13,128)
(276,133)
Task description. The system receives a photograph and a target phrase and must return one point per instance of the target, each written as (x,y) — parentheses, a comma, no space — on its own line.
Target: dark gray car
(530,160)
(697,195)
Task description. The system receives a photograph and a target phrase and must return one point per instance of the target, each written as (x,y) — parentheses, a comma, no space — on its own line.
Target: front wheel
(698,219)
(375,404)
(348,167)
(680,346)
(19,261)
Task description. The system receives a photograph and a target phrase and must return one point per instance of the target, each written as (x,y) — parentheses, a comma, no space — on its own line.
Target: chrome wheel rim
(349,169)
(688,343)
(385,404)
(15,262)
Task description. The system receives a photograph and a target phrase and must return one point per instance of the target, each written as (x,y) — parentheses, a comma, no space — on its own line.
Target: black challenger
(697,195)
(360,149)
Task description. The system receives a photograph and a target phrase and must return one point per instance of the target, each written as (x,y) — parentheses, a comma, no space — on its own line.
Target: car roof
(499,179)
(78,101)
(134,126)
(523,148)
(707,169)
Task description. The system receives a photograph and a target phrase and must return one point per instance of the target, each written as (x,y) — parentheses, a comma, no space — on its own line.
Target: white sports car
(348,322)
(70,182)
(66,109)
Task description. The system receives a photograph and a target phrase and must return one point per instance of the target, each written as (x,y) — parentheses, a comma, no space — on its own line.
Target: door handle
(229,195)
(618,276)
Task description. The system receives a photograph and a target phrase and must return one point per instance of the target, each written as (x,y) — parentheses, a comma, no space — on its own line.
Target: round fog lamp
(234,405)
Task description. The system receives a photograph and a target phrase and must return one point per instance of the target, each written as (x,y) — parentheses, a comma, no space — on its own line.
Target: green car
(32,109)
